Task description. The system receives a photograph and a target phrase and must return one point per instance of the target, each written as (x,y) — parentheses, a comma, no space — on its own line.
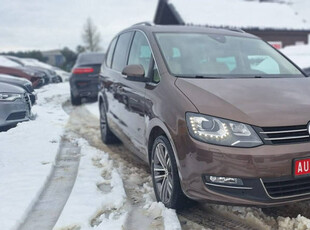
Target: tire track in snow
(46,210)
(134,172)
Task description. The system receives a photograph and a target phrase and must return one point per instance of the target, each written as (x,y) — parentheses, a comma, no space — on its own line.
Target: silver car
(15,105)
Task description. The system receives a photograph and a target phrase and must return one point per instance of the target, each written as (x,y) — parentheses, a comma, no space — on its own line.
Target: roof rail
(235,29)
(143,23)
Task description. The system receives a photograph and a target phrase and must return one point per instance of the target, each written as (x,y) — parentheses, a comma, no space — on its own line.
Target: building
(274,22)
(54,57)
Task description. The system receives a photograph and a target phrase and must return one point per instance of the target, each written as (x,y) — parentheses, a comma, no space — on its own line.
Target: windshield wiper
(200,77)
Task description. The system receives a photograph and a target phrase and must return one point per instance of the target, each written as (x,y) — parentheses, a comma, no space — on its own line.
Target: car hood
(262,102)
(11,79)
(8,88)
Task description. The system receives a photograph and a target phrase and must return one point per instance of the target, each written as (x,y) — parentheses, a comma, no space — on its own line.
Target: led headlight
(9,96)
(219,131)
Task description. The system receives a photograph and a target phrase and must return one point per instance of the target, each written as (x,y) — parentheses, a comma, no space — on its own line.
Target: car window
(110,53)
(120,53)
(140,52)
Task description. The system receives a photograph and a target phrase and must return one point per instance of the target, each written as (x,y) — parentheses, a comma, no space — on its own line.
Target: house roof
(239,13)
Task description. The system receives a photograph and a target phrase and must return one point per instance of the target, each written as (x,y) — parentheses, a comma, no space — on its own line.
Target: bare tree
(91,36)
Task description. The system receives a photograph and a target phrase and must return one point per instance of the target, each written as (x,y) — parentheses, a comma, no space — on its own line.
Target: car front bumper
(266,172)
(13,112)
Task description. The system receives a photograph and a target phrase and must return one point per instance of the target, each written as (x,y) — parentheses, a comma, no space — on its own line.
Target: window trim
(106,59)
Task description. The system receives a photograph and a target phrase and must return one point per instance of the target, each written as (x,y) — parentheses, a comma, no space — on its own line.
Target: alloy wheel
(103,121)
(162,172)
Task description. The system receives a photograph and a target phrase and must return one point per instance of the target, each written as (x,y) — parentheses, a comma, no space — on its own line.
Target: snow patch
(300,54)
(89,206)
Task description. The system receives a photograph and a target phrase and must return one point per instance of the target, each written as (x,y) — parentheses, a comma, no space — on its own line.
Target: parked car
(7,62)
(218,114)
(63,75)
(49,75)
(20,82)
(36,81)
(84,77)
(54,78)
(15,105)
(307,71)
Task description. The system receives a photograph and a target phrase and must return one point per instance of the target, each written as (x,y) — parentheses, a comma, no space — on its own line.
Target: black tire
(107,136)
(176,198)
(75,100)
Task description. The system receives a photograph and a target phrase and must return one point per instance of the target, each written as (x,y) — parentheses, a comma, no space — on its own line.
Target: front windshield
(213,55)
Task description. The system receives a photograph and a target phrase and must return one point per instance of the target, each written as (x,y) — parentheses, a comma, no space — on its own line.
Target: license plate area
(301,167)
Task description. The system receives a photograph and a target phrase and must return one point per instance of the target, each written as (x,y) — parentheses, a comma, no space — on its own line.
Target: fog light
(224,180)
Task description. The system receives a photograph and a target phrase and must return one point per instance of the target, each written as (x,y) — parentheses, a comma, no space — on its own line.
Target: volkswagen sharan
(218,114)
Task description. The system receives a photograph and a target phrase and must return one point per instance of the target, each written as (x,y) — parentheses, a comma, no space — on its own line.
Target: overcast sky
(53,24)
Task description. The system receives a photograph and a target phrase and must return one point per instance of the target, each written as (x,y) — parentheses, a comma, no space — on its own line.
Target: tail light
(82,70)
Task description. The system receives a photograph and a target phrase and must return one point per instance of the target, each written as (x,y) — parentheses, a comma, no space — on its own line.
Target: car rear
(84,76)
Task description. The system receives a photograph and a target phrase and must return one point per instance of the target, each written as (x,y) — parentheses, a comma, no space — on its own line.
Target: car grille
(16,116)
(287,187)
(28,101)
(285,135)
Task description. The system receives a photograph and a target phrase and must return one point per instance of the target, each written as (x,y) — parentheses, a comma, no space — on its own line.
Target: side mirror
(134,73)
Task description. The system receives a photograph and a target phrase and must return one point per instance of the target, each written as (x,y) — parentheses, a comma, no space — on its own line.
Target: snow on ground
(257,217)
(300,54)
(98,197)
(28,152)
(93,108)
(136,183)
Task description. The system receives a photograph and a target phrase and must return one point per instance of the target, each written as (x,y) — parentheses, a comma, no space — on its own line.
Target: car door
(111,81)
(134,93)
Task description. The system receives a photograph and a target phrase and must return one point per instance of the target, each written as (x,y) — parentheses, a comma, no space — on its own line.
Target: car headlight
(220,131)
(9,96)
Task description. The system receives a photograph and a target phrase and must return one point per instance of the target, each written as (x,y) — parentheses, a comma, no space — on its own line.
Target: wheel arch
(157,128)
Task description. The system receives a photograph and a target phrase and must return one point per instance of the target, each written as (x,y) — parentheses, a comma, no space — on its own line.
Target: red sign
(276,44)
(302,167)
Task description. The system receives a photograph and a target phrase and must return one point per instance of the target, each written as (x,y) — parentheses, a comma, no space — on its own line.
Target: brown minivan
(218,114)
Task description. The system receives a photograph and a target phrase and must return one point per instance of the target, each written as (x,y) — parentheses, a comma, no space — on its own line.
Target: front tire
(107,136)
(165,175)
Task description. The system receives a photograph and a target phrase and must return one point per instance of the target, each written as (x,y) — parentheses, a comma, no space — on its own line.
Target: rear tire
(75,100)
(107,136)
(165,175)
